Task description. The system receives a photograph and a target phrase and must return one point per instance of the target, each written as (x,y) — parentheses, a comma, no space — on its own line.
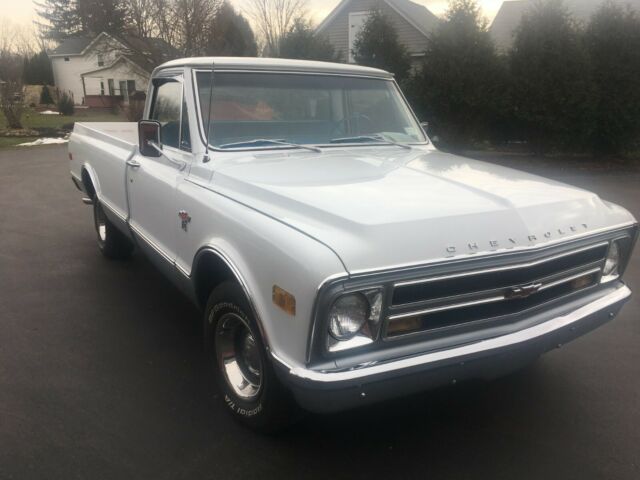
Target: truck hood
(384,207)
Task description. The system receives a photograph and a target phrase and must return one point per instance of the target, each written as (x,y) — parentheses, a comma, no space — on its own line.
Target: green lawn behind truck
(53,125)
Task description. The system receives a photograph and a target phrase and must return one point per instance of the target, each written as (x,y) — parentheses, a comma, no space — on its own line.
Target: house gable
(412,22)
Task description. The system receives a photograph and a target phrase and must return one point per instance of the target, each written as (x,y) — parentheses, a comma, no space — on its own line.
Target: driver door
(152,181)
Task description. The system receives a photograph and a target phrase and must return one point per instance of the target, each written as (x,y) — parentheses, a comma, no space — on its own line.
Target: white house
(106,70)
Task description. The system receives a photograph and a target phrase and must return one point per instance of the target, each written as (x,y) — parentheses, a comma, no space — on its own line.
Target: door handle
(134,164)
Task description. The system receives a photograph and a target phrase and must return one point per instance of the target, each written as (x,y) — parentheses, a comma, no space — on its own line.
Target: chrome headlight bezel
(368,326)
(618,256)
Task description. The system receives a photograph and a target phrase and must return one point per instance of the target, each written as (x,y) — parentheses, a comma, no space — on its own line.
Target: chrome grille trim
(452,300)
(570,279)
(493,299)
(500,269)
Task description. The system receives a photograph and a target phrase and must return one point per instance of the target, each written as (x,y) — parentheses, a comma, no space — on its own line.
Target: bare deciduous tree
(142,16)
(194,20)
(18,39)
(273,19)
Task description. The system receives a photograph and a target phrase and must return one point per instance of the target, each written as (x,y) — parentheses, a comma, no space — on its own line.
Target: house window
(101,87)
(131,87)
(100,60)
(111,87)
(66,59)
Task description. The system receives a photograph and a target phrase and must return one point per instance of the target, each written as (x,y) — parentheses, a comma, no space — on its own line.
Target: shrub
(65,104)
(377,45)
(550,75)
(302,42)
(135,109)
(45,96)
(613,43)
(460,88)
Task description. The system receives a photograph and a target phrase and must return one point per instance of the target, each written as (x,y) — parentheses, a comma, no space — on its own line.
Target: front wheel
(252,392)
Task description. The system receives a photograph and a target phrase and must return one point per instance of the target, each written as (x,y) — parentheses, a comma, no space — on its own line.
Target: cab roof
(275,64)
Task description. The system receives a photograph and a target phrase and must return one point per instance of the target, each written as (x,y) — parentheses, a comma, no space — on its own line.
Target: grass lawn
(47,125)
(6,142)
(32,119)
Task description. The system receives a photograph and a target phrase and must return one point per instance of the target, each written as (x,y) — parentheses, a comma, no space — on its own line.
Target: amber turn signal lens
(403,325)
(284,300)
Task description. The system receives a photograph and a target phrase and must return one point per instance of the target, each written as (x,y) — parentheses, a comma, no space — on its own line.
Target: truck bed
(125,133)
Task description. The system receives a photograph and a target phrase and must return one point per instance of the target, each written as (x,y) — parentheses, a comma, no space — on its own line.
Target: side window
(166,110)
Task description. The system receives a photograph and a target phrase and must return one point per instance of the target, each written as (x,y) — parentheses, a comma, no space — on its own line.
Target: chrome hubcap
(101,223)
(238,356)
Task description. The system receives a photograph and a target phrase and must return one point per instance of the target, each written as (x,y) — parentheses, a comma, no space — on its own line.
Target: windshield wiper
(377,138)
(265,142)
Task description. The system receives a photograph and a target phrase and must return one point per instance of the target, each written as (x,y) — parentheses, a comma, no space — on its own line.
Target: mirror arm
(181,165)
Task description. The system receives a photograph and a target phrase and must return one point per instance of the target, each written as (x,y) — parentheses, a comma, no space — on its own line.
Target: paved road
(102,375)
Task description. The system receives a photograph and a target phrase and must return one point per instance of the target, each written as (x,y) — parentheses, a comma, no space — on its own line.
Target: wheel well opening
(210,272)
(88,184)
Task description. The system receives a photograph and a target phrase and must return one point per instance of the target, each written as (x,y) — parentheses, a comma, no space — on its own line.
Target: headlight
(347,316)
(612,264)
(354,320)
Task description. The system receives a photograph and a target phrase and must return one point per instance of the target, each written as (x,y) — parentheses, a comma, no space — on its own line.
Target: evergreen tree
(45,96)
(302,42)
(99,16)
(67,18)
(460,88)
(550,74)
(377,45)
(613,43)
(60,18)
(232,34)
(37,70)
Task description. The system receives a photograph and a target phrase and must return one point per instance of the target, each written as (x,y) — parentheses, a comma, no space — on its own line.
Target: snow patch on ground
(44,141)
(49,112)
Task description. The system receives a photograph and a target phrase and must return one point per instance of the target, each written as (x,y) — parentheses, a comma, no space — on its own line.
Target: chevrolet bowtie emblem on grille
(523,292)
(185,219)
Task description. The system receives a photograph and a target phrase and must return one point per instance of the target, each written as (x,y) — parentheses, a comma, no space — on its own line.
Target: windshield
(271,110)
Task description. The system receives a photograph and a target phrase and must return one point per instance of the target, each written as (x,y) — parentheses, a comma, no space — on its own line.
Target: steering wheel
(340,128)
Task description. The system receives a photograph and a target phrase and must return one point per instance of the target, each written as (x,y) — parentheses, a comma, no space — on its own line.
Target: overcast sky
(22,11)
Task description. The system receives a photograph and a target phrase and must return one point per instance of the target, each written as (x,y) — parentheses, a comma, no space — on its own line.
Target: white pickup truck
(339,258)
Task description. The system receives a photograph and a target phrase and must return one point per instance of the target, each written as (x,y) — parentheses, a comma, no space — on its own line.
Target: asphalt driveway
(102,374)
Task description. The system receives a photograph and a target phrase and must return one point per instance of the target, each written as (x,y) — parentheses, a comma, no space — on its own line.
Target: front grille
(443,301)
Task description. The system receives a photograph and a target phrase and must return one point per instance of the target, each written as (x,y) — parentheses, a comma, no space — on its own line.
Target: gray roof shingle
(72,46)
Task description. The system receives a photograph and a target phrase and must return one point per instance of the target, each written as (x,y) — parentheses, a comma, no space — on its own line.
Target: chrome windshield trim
(201,128)
(521,336)
(499,269)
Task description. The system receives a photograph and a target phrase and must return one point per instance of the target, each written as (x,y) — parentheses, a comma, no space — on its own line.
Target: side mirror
(148,134)
(425,126)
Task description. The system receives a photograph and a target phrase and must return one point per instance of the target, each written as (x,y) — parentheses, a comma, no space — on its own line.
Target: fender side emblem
(185,219)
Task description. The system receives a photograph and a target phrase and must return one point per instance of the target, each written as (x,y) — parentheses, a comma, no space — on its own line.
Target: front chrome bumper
(331,391)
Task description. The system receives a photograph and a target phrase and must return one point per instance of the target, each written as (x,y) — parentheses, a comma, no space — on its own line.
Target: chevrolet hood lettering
(383,207)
